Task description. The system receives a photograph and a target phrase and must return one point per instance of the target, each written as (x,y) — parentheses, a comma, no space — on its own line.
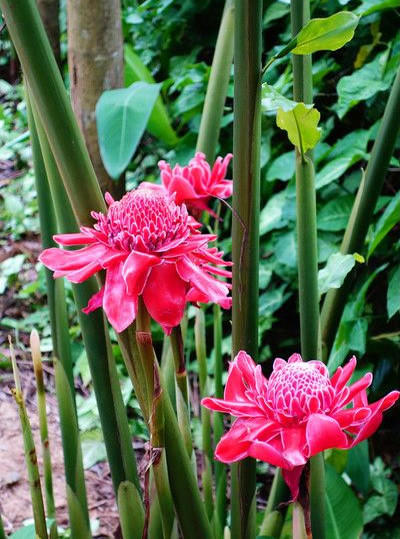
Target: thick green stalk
(53,106)
(44,435)
(179,361)
(72,450)
(97,344)
(156,420)
(213,110)
(307,244)
(363,210)
(130,511)
(274,514)
(48,227)
(307,256)
(245,228)
(299,530)
(201,356)
(30,454)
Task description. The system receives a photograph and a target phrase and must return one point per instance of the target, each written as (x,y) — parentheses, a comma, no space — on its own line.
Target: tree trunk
(49,11)
(95,58)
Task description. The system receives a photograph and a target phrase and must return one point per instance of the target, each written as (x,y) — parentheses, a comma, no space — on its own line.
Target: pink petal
(95,302)
(343,375)
(73,239)
(267,453)
(235,444)
(59,259)
(165,295)
(292,479)
(80,275)
(198,278)
(324,432)
(294,445)
(235,408)
(119,307)
(136,270)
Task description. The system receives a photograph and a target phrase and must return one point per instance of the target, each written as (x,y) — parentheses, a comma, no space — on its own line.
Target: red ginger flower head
(149,247)
(196,183)
(295,414)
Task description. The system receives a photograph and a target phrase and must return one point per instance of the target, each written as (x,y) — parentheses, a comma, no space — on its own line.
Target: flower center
(300,389)
(143,220)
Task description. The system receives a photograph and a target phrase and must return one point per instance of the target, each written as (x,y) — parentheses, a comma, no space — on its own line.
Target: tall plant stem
(363,209)
(44,436)
(2,532)
(30,454)
(307,249)
(210,124)
(245,228)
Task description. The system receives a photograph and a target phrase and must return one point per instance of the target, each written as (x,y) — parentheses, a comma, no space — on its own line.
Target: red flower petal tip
(298,412)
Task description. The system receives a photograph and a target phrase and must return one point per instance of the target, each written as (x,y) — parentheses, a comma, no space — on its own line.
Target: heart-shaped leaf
(301,124)
(122,116)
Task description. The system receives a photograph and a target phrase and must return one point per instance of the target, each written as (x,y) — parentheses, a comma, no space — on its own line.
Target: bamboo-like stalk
(53,106)
(307,248)
(48,227)
(273,519)
(97,344)
(44,436)
(201,356)
(299,530)
(72,449)
(363,210)
(130,511)
(245,227)
(213,109)
(156,419)
(39,517)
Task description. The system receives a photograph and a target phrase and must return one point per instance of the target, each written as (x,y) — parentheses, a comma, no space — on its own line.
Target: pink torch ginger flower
(149,247)
(298,412)
(196,183)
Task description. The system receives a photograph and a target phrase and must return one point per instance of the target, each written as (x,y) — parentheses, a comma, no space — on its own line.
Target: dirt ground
(15,502)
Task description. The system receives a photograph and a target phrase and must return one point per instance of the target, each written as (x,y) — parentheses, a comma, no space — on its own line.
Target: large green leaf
(122,116)
(393,295)
(301,124)
(159,124)
(335,214)
(335,272)
(389,218)
(343,511)
(364,83)
(272,100)
(371,6)
(357,467)
(330,33)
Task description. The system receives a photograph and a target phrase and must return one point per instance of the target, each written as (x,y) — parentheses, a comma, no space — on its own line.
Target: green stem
(299,530)
(307,240)
(307,256)
(44,435)
(245,228)
(273,519)
(131,511)
(363,210)
(179,361)
(213,110)
(30,454)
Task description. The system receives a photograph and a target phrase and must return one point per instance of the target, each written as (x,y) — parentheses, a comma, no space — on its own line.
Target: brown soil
(15,502)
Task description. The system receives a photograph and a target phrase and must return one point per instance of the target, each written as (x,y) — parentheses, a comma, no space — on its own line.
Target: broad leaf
(272,100)
(371,6)
(389,218)
(383,504)
(334,273)
(159,124)
(343,511)
(282,168)
(393,295)
(301,124)
(357,467)
(330,33)
(335,214)
(122,116)
(364,83)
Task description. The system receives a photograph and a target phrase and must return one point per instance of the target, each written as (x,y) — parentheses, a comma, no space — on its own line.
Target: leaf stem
(245,228)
